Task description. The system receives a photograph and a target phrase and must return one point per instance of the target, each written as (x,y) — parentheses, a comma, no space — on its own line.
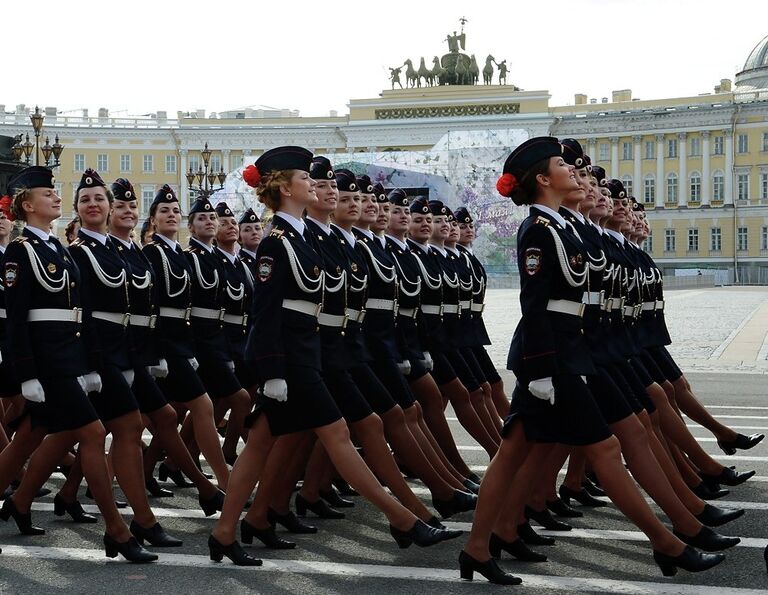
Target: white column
(225,160)
(728,167)
(682,187)
(592,150)
(706,173)
(659,171)
(637,173)
(183,187)
(614,158)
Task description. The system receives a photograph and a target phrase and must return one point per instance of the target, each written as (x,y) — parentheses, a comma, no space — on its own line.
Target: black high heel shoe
(320,508)
(706,492)
(709,541)
(290,521)
(582,497)
(474,477)
(155,490)
(164,472)
(459,502)
(230,460)
(727,476)
(267,536)
(421,534)
(712,516)
(333,498)
(689,560)
(530,537)
(344,488)
(234,551)
(23,521)
(118,503)
(546,520)
(471,486)
(130,550)
(560,508)
(73,509)
(213,504)
(489,569)
(741,442)
(155,535)
(765,557)
(435,522)
(515,548)
(593,489)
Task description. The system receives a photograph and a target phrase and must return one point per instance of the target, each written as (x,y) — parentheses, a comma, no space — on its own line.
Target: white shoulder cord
(574,278)
(168,273)
(141,282)
(416,284)
(432,282)
(599,263)
(203,283)
(362,283)
(632,281)
(452,282)
(342,279)
(235,294)
(382,270)
(248,273)
(42,277)
(298,272)
(109,281)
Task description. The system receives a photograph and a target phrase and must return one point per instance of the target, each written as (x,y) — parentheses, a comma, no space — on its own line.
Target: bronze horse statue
(426,74)
(411,76)
(488,70)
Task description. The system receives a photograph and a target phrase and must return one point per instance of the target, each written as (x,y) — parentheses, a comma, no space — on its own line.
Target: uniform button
(317,330)
(72,284)
(151,284)
(342,333)
(77,334)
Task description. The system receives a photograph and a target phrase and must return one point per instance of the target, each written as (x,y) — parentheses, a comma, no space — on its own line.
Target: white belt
(612,304)
(181,313)
(407,312)
(332,320)
(659,304)
(566,307)
(241,320)
(450,308)
(465,304)
(303,306)
(55,315)
(374,304)
(649,306)
(593,298)
(114,317)
(428,309)
(355,315)
(2,313)
(629,310)
(478,308)
(208,313)
(144,321)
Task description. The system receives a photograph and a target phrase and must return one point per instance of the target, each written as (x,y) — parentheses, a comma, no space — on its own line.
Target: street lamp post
(206,180)
(24,147)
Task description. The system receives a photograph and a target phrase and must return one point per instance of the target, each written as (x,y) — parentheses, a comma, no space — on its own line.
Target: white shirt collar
(350,237)
(381,239)
(95,235)
(2,249)
(554,214)
(127,244)
(321,225)
(199,243)
(616,235)
(248,252)
(172,243)
(468,249)
(424,247)
(231,257)
(399,242)
(440,249)
(366,232)
(297,224)
(43,235)
(453,250)
(576,214)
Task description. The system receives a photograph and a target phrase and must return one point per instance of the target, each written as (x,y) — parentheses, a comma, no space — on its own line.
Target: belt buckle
(361,316)
(415,313)
(608,304)
(126,319)
(244,321)
(344,320)
(318,309)
(441,309)
(78,312)
(581,310)
(187,314)
(222,312)
(602,297)
(394,306)
(152,321)
(638,308)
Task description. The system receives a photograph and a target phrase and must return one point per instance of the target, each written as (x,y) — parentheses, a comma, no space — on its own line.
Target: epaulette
(76,242)
(276,233)
(542,221)
(20,239)
(190,249)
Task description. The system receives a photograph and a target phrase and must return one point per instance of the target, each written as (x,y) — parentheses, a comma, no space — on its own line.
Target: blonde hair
(19,196)
(268,190)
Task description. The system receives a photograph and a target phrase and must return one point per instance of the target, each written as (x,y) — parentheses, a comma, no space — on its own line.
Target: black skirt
(375,393)
(9,386)
(116,398)
(66,406)
(146,391)
(489,370)
(182,383)
(653,368)
(574,419)
(462,370)
(468,354)
(245,373)
(393,379)
(636,385)
(418,370)
(664,360)
(218,378)
(443,371)
(347,395)
(609,397)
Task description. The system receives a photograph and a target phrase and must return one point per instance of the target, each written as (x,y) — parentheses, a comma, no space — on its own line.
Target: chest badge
(354,267)
(532,261)
(316,270)
(51,268)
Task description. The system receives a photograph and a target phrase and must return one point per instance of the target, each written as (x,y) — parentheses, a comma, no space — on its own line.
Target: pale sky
(140,56)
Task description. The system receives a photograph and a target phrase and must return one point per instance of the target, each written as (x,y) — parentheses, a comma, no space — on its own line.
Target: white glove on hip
(91,382)
(33,391)
(543,389)
(1,358)
(160,370)
(129,375)
(193,363)
(428,363)
(404,367)
(277,389)
(231,365)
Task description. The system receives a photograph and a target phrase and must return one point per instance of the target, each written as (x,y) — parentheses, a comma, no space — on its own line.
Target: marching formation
(330,343)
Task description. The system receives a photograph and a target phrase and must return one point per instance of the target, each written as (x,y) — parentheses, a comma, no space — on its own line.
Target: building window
(125,163)
(626,151)
(693,240)
(741,239)
(603,151)
(79,162)
(170,164)
(742,144)
(672,188)
(764,186)
(695,193)
(102,163)
(58,187)
(627,181)
(148,164)
(717,146)
(194,163)
(650,149)
(765,142)
(215,165)
(147,196)
(669,240)
(718,186)
(742,182)
(695,146)
(648,245)
(235,161)
(671,147)
(715,239)
(649,189)
(764,237)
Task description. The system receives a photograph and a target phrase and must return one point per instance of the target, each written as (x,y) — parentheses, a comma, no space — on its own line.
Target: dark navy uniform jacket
(409,299)
(235,295)
(431,328)
(479,285)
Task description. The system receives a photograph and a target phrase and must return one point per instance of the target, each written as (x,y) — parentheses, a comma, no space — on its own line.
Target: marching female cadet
(182,387)
(551,402)
(287,299)
(48,355)
(250,236)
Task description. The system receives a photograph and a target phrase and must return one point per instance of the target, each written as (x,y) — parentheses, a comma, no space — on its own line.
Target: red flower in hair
(5,207)
(506,184)
(252,176)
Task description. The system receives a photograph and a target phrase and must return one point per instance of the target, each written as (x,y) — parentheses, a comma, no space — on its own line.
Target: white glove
(277,389)
(160,370)
(1,358)
(543,389)
(405,367)
(231,365)
(91,382)
(129,375)
(193,363)
(33,391)
(428,363)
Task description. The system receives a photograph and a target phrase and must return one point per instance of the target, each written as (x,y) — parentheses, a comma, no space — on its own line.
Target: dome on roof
(754,75)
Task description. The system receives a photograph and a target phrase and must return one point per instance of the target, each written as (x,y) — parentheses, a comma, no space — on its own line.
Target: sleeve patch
(266,264)
(532,261)
(11,273)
